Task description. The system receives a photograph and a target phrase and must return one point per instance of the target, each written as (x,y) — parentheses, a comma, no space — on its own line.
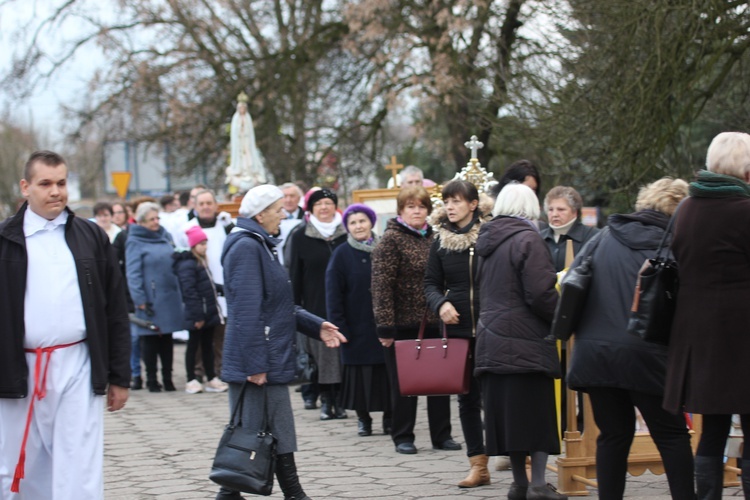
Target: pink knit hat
(195,235)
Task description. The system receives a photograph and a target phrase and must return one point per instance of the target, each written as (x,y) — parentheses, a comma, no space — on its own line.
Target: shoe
(193,387)
(339,412)
(517,492)
(364,427)
(286,474)
(478,474)
(216,385)
(406,448)
(153,386)
(137,383)
(447,445)
(546,492)
(169,386)
(326,409)
(387,426)
(310,404)
(502,463)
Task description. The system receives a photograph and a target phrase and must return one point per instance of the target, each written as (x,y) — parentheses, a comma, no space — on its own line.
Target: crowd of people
(298,272)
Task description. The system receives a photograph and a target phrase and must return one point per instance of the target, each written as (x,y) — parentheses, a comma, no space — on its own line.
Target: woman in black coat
(312,245)
(516,356)
(349,302)
(618,370)
(452,291)
(202,313)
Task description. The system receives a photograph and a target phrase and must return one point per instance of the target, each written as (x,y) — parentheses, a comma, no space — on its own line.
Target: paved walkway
(162,444)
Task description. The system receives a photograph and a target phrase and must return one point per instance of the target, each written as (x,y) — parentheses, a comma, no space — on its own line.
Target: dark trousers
(204,338)
(615,416)
(470,414)
(404,409)
(715,433)
(218,347)
(153,347)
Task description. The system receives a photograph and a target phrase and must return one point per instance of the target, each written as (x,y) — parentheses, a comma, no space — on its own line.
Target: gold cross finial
(394,168)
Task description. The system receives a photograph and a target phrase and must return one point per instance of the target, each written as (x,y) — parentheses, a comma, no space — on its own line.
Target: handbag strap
(423,326)
(668,232)
(236,418)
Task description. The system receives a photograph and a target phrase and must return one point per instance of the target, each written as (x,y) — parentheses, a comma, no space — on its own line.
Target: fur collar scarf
(454,241)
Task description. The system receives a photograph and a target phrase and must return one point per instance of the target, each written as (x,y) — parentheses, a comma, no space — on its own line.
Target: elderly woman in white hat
(261,323)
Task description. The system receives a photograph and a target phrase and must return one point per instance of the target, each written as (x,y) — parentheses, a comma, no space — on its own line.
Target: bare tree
(16,144)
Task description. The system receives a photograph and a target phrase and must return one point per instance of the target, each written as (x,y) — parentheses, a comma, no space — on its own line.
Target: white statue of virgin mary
(246,168)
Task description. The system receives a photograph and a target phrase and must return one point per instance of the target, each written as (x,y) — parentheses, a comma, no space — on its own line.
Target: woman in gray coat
(155,291)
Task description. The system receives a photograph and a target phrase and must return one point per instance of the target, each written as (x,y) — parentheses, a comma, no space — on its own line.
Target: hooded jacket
(198,292)
(518,299)
(151,279)
(262,318)
(451,274)
(605,354)
(102,294)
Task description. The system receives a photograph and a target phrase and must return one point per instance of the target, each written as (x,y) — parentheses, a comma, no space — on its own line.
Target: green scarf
(713,185)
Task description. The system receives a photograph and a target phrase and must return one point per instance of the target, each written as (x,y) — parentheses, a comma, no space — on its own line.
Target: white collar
(33,223)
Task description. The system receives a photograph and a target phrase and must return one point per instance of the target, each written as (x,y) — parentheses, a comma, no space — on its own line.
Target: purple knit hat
(359,208)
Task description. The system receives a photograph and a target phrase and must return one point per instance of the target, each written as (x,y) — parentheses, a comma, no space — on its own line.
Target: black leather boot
(166,377)
(286,473)
(137,383)
(338,408)
(709,477)
(364,426)
(326,406)
(153,385)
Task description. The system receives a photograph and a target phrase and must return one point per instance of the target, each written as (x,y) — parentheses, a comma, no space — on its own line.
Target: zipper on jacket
(471,291)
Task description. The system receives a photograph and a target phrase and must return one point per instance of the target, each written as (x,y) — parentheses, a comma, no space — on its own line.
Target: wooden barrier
(577,468)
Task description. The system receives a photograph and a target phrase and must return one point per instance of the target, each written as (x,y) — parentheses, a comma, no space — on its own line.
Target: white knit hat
(258,199)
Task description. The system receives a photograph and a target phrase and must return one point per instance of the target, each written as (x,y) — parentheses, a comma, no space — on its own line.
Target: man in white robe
(64,342)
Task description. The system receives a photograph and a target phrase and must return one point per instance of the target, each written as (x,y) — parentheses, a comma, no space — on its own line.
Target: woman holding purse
(398,268)
(259,346)
(452,291)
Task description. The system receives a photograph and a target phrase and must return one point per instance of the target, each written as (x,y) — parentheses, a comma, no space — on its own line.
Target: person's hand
(199,324)
(330,334)
(386,342)
(116,397)
(257,379)
(142,307)
(448,314)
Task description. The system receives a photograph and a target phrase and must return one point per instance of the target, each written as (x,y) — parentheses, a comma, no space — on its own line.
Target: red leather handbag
(433,367)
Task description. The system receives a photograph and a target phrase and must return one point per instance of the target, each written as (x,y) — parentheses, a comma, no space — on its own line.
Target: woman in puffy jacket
(618,370)
(516,356)
(262,321)
(155,291)
(452,291)
(202,312)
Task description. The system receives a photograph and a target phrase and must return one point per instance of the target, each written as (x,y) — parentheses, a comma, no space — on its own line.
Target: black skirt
(519,413)
(365,388)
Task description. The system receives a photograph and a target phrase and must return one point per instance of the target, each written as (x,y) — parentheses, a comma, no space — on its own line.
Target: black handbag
(245,459)
(655,297)
(574,291)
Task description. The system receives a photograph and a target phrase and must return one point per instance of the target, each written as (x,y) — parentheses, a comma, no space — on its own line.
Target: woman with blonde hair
(619,371)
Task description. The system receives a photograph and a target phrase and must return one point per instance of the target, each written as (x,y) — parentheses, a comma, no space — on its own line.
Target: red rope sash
(40,390)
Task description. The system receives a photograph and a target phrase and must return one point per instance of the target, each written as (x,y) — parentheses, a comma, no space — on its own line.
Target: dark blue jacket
(262,319)
(349,305)
(198,293)
(151,280)
(605,354)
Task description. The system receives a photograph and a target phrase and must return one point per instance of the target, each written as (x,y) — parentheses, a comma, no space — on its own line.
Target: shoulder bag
(655,297)
(246,458)
(574,291)
(432,367)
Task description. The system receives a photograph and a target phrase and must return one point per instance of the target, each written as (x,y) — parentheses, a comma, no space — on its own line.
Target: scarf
(366,246)
(326,229)
(713,185)
(562,230)
(422,232)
